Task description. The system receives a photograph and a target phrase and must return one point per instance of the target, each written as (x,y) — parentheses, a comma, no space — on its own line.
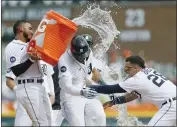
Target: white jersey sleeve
(130,85)
(65,78)
(12,57)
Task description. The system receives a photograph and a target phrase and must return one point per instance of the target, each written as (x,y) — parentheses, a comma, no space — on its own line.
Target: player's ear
(21,29)
(136,66)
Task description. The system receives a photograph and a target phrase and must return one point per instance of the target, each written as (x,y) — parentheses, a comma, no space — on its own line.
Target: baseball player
(22,118)
(56,106)
(75,67)
(147,84)
(24,70)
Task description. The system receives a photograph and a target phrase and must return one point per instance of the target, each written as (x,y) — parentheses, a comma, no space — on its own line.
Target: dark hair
(136,60)
(17,24)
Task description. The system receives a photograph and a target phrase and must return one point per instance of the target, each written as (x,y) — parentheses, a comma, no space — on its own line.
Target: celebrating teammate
(75,67)
(24,68)
(22,118)
(145,83)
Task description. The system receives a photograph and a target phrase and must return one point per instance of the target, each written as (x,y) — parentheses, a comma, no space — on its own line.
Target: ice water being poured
(101,21)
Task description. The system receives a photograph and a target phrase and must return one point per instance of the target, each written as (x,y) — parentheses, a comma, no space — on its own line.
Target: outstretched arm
(107,89)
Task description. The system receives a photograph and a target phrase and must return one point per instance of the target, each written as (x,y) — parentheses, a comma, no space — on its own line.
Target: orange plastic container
(52,37)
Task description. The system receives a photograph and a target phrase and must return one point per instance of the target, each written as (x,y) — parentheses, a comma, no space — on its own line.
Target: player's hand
(88,93)
(95,75)
(34,55)
(108,104)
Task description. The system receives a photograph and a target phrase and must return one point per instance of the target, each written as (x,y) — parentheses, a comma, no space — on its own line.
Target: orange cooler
(52,37)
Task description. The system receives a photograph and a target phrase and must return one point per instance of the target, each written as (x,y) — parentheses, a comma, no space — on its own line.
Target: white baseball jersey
(151,86)
(72,74)
(32,95)
(15,53)
(48,71)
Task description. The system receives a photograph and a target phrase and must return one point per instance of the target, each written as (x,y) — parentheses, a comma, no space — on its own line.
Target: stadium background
(147,29)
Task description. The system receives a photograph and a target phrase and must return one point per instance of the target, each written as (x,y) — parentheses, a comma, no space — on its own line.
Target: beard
(25,35)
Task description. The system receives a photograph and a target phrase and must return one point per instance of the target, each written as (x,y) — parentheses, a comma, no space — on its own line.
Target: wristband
(31,60)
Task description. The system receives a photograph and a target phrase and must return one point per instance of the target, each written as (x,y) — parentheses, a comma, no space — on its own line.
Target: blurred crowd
(59,2)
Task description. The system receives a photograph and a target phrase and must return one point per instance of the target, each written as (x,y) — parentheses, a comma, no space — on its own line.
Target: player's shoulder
(62,61)
(15,44)
(9,45)
(64,66)
(147,71)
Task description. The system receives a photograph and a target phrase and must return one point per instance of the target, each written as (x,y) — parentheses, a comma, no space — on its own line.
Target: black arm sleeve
(21,68)
(108,89)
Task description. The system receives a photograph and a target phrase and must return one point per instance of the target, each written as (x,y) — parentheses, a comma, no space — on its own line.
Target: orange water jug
(52,37)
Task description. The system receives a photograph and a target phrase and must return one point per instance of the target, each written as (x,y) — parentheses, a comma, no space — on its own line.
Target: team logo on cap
(63,69)
(81,50)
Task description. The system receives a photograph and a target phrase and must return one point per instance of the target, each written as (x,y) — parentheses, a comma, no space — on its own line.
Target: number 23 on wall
(134,18)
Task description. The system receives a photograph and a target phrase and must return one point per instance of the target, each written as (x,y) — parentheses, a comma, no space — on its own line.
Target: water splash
(101,21)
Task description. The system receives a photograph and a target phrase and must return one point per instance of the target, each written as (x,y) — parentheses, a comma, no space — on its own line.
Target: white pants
(33,99)
(166,116)
(57,117)
(22,118)
(80,111)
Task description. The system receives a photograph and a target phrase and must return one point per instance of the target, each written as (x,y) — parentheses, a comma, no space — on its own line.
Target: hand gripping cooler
(52,37)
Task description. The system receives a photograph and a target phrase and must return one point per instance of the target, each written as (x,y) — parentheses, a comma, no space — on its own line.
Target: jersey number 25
(157,78)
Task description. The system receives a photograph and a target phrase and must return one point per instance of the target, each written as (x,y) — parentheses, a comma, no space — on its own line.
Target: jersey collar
(19,42)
